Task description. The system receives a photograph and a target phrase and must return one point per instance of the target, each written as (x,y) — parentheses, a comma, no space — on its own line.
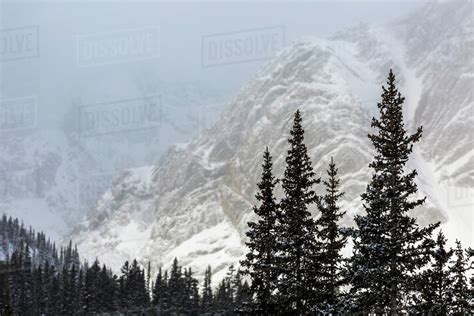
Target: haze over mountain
(195,203)
(51,178)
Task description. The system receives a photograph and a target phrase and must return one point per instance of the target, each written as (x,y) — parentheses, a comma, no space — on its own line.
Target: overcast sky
(64,55)
(56,75)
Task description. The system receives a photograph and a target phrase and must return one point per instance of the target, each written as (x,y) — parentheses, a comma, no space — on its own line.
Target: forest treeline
(294,264)
(36,278)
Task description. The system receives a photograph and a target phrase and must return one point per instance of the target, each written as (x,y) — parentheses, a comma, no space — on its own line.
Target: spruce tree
(5,303)
(91,297)
(207,296)
(21,282)
(38,293)
(237,289)
(135,285)
(460,290)
(105,290)
(191,293)
(124,294)
(435,284)
(158,289)
(195,297)
(230,287)
(470,255)
(80,291)
(389,246)
(297,246)
(54,306)
(260,262)
(67,291)
(176,287)
(331,240)
(221,299)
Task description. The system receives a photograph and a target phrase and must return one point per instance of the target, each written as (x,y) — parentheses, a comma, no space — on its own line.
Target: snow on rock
(195,204)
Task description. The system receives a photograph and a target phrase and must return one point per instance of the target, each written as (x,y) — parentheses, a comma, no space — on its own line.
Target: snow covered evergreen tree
(159,289)
(435,284)
(5,303)
(176,288)
(470,255)
(297,247)
(91,299)
(207,303)
(389,246)
(460,290)
(260,261)
(21,281)
(331,240)
(191,293)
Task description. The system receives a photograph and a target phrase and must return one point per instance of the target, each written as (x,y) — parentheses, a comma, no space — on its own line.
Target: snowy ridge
(201,193)
(52,176)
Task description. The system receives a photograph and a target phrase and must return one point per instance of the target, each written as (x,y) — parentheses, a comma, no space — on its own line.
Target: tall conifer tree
(470,255)
(260,262)
(297,243)
(331,241)
(389,246)
(460,265)
(207,296)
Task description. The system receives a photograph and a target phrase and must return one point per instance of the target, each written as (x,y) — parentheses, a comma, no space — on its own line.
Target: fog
(94,88)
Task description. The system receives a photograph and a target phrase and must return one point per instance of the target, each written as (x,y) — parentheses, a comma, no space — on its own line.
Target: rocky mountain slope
(196,201)
(52,177)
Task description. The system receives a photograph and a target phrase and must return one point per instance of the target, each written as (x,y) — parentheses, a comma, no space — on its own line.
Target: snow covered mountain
(40,170)
(195,203)
(51,178)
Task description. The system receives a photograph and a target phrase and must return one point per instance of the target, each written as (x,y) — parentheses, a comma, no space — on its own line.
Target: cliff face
(196,202)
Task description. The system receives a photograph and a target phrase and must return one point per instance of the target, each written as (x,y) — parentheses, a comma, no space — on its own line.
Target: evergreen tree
(54,302)
(191,293)
(331,241)
(231,286)
(91,297)
(5,303)
(296,241)
(38,293)
(389,246)
(435,283)
(148,277)
(237,291)
(158,289)
(80,291)
(245,297)
(135,287)
(106,290)
(48,275)
(242,294)
(470,255)
(176,287)
(165,296)
(207,296)
(67,290)
(260,262)
(124,293)
(195,297)
(223,298)
(21,280)
(460,265)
